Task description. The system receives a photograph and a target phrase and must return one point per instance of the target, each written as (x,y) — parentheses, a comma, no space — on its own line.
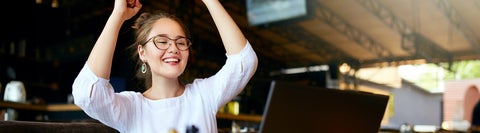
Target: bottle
(406,128)
(192,129)
(234,106)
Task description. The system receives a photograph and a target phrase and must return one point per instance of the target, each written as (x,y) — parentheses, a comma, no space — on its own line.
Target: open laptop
(295,108)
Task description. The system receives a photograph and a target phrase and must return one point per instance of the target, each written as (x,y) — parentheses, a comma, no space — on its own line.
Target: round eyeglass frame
(189,43)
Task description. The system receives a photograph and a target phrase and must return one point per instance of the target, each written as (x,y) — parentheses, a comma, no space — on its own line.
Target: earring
(144,67)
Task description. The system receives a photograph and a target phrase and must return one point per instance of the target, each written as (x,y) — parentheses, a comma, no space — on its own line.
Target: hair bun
(141,20)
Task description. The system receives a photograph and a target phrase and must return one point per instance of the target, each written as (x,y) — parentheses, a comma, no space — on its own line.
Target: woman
(162,45)
(475,125)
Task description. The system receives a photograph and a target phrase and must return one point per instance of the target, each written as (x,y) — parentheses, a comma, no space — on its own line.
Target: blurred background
(423,54)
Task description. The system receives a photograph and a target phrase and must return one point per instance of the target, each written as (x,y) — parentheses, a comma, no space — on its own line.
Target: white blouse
(131,112)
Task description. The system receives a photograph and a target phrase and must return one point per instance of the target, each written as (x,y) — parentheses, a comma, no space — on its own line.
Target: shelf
(240,117)
(73,107)
(40,107)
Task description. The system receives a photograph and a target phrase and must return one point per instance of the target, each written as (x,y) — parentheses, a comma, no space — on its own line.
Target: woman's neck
(164,88)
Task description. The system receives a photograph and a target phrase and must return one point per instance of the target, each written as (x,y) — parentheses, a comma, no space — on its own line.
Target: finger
(131,3)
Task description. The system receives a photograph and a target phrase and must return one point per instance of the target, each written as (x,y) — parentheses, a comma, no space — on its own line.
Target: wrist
(119,15)
(209,1)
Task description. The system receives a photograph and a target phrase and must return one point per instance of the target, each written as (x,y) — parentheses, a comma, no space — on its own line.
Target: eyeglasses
(163,42)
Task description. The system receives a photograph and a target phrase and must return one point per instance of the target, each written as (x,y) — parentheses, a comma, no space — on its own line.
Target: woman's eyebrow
(166,35)
(178,36)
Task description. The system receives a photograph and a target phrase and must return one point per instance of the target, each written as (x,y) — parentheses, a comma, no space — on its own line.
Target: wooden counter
(240,117)
(73,107)
(40,107)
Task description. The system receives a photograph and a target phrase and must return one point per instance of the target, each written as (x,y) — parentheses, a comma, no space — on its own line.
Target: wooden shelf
(240,117)
(39,107)
(73,107)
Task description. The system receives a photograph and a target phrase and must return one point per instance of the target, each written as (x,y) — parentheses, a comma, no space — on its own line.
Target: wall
(409,104)
(415,106)
(458,99)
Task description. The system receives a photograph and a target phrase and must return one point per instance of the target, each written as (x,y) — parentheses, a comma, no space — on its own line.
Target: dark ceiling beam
(273,60)
(351,32)
(457,21)
(312,42)
(430,50)
(412,41)
(297,35)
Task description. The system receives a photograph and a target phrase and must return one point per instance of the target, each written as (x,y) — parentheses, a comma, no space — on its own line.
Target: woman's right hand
(126,8)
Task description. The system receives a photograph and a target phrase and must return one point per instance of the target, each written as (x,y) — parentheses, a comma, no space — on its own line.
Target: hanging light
(54,3)
(344,68)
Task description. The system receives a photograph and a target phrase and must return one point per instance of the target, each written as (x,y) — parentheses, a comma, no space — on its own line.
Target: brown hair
(142,27)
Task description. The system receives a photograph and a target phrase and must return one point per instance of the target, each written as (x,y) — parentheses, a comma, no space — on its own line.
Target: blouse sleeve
(230,80)
(96,97)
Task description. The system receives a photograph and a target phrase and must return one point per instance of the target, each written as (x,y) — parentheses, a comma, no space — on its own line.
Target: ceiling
(363,33)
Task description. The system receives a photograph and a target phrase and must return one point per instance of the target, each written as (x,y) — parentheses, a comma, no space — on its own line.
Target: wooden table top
(73,107)
(40,107)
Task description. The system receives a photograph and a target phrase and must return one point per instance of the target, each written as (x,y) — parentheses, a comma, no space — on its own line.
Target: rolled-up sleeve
(83,85)
(230,80)
(96,97)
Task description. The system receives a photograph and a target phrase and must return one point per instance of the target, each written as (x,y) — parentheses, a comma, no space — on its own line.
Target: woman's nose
(173,47)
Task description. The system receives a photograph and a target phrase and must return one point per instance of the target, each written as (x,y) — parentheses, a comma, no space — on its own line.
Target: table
(40,107)
(73,107)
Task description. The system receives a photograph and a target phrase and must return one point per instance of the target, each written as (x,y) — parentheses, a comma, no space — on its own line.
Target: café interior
(356,45)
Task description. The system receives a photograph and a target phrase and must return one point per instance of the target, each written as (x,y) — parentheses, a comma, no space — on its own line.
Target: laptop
(296,108)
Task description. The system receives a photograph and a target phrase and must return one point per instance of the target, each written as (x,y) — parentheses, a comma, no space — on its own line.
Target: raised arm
(232,37)
(101,56)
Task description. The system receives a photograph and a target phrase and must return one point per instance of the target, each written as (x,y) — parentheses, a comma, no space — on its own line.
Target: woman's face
(169,62)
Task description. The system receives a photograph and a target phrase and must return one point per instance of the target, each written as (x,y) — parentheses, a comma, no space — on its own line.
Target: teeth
(171,60)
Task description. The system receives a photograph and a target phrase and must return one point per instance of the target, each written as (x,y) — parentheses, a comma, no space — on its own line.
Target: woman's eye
(180,43)
(161,41)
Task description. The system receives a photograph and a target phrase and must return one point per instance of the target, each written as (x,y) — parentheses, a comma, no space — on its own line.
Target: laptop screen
(295,108)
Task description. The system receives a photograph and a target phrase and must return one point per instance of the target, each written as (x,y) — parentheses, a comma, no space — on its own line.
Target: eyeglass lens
(163,42)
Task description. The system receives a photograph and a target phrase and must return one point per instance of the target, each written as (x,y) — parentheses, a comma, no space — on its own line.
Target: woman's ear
(141,52)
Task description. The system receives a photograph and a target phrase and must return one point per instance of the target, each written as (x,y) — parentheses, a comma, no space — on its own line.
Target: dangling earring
(144,68)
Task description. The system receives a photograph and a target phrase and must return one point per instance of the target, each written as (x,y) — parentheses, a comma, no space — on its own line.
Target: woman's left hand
(127,8)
